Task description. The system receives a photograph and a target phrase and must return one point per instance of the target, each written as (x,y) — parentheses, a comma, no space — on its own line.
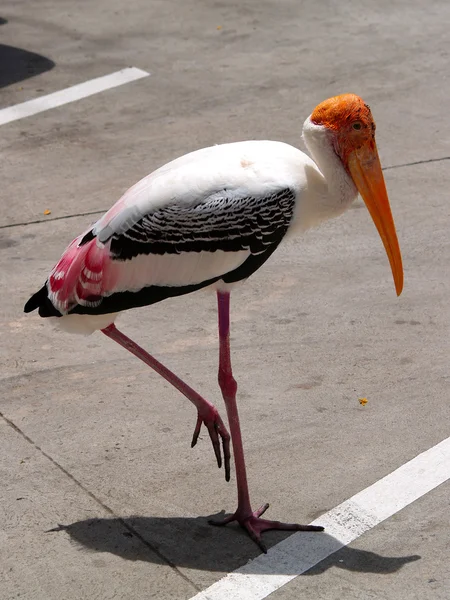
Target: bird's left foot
(255,526)
(210,417)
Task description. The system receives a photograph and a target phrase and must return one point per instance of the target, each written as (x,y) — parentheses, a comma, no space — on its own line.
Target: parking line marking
(343,524)
(70,94)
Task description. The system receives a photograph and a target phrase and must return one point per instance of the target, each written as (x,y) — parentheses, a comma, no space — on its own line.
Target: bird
(210,219)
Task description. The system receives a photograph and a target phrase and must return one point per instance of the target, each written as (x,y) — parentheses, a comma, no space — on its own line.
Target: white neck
(338,191)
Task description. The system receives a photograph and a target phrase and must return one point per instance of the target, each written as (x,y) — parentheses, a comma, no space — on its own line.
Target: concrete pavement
(101,444)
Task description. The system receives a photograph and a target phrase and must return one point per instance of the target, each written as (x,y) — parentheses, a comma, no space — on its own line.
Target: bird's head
(352,132)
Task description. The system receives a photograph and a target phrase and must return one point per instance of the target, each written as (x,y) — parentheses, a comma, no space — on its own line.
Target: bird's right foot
(251,521)
(216,428)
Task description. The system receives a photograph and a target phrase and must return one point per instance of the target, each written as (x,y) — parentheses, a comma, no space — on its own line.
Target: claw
(256,537)
(262,509)
(226,456)
(196,431)
(212,430)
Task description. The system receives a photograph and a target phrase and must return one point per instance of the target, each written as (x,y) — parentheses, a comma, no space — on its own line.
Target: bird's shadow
(195,544)
(17,64)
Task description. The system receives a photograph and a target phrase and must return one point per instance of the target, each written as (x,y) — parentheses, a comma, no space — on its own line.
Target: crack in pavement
(417,162)
(101,211)
(62,217)
(101,503)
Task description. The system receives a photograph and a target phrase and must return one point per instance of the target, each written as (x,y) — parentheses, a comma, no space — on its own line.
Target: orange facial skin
(353,128)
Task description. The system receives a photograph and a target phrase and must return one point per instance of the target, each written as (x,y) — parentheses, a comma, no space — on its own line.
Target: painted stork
(212,218)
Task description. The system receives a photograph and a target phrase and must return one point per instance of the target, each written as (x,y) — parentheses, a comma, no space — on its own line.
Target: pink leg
(244,515)
(207,412)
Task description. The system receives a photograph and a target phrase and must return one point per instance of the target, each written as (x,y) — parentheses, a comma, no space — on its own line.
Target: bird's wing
(227,221)
(251,168)
(177,246)
(185,225)
(172,247)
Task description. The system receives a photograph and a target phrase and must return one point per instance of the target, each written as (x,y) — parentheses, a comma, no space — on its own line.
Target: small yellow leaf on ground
(219,27)
(363,401)
(47,212)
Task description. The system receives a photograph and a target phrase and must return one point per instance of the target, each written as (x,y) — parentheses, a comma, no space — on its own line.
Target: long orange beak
(365,168)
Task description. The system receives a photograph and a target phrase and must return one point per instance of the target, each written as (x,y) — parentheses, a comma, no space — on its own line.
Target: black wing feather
(222,222)
(219,223)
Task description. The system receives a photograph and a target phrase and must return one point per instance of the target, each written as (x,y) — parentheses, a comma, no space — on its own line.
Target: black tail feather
(36,300)
(41,301)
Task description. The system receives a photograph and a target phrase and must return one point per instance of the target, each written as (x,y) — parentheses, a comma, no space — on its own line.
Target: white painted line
(343,524)
(70,94)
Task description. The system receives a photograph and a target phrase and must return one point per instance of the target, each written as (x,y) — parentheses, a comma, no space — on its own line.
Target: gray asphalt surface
(96,442)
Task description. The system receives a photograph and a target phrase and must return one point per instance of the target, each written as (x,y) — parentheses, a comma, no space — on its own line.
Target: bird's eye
(357,125)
